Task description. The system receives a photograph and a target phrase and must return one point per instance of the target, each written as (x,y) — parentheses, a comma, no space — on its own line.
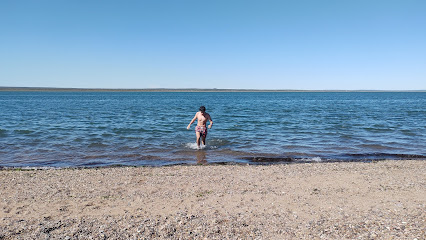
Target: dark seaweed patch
(269,159)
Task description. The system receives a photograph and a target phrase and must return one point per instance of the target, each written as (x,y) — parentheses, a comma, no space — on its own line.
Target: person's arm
(192,121)
(211,122)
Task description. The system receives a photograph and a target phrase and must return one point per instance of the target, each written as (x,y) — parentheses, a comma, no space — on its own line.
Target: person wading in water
(201,128)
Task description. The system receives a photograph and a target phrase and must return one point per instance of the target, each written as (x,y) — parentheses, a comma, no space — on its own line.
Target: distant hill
(43,89)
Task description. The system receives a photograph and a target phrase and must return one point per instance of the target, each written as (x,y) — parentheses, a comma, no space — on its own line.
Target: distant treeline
(42,89)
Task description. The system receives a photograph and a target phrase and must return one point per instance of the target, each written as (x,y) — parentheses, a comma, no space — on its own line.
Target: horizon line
(71,89)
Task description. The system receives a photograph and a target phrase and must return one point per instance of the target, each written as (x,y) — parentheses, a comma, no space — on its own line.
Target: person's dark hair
(202,109)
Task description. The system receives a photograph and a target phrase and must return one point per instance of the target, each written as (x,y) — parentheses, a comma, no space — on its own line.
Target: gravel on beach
(344,200)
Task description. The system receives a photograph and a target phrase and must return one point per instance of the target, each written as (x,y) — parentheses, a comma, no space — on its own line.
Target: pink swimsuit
(202,130)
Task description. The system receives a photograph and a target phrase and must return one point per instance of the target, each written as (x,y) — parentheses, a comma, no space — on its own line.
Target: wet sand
(379,200)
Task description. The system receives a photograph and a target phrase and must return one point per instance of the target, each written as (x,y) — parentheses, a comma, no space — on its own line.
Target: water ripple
(96,129)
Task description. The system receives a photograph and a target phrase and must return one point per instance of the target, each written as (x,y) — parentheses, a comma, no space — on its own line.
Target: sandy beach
(378,200)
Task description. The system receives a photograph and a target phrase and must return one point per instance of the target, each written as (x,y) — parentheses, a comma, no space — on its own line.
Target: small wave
(128,130)
(269,159)
(211,144)
(92,164)
(131,155)
(23,131)
(95,157)
(377,130)
(314,159)
(379,156)
(408,133)
(3,133)
(218,142)
(97,145)
(78,139)
(107,135)
(27,168)
(194,146)
(234,129)
(373,146)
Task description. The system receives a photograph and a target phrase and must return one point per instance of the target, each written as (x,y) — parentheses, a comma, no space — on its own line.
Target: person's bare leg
(203,139)
(198,139)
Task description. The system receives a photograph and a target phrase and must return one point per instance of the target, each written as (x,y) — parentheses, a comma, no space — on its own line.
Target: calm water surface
(68,129)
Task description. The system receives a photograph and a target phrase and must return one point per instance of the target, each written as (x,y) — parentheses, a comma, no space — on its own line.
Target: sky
(231,44)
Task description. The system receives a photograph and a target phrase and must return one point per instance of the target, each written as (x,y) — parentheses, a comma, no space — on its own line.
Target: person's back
(202,118)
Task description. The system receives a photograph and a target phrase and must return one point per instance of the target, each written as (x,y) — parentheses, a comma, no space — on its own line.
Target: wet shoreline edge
(258,162)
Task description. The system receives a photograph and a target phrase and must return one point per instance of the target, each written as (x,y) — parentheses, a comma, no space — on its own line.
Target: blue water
(73,129)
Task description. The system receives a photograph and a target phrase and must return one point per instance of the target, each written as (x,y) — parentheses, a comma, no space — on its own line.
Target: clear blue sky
(341,44)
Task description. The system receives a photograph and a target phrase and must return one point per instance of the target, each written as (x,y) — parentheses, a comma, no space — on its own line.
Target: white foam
(314,159)
(194,146)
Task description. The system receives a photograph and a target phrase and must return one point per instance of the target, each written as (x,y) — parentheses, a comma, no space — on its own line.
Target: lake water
(87,129)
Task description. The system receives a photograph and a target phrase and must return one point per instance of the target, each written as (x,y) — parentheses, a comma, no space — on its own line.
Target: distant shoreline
(46,89)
